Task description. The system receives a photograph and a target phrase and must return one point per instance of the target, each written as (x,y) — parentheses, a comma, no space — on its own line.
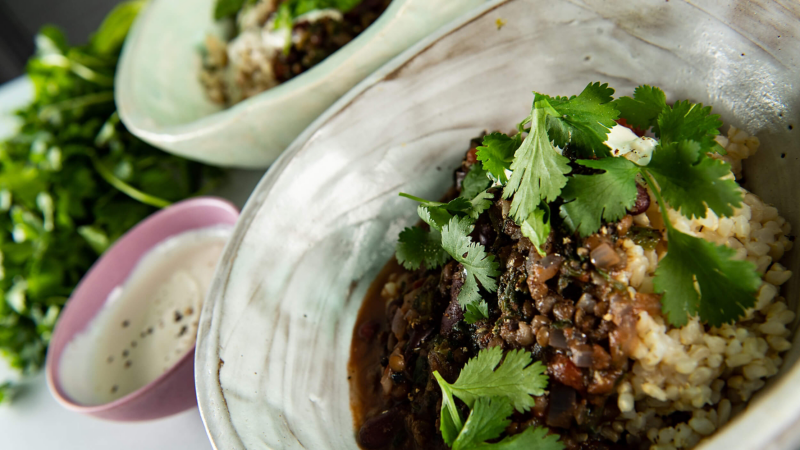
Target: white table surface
(34,421)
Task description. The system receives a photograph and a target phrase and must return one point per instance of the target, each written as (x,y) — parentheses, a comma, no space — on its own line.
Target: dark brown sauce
(362,368)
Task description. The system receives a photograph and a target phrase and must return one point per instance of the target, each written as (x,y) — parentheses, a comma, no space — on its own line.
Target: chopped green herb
(725,286)
(479,266)
(538,169)
(692,182)
(475,182)
(417,246)
(582,121)
(497,154)
(72,181)
(537,228)
(592,199)
(515,379)
(493,392)
(227,8)
(645,237)
(643,109)
(680,174)
(689,121)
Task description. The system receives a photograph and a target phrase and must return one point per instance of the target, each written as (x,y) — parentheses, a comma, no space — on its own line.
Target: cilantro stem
(56,60)
(415,198)
(126,188)
(661,205)
(77,102)
(450,403)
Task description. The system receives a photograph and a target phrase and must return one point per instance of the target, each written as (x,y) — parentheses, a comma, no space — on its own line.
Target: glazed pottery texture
(275,334)
(160,99)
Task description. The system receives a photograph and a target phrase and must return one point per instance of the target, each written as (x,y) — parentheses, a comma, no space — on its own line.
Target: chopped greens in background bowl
(72,180)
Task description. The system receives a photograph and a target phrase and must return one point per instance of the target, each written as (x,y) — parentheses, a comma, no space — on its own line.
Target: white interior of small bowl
(275,336)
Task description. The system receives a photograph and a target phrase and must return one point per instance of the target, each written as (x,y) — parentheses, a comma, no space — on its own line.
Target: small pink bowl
(173,391)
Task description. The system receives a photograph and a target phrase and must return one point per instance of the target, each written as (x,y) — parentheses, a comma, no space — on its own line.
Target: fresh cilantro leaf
(60,210)
(487,420)
(538,170)
(479,204)
(590,199)
(690,121)
(479,265)
(537,227)
(533,438)
(689,180)
(227,8)
(643,109)
(450,419)
(476,311)
(727,286)
(289,10)
(493,393)
(582,121)
(475,182)
(497,154)
(437,218)
(516,379)
(437,214)
(109,37)
(417,246)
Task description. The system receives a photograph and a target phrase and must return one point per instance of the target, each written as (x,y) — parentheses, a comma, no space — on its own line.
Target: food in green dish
(72,181)
(597,279)
(273,41)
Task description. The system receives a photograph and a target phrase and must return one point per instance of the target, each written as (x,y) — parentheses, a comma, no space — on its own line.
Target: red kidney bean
(642,201)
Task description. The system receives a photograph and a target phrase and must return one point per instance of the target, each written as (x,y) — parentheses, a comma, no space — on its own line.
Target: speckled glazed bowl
(173,391)
(160,98)
(275,334)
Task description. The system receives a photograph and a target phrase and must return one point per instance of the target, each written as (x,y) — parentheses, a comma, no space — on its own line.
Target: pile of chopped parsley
(695,278)
(72,181)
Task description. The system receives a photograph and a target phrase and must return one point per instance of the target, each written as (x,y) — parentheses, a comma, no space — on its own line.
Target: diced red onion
(582,355)
(557,338)
(604,257)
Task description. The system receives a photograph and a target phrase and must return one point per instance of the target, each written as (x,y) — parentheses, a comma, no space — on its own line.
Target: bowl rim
(210,395)
(60,335)
(223,117)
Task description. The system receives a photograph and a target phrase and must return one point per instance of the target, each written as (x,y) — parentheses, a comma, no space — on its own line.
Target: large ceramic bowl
(275,333)
(160,98)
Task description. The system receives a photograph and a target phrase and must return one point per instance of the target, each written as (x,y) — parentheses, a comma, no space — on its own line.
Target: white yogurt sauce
(624,142)
(148,323)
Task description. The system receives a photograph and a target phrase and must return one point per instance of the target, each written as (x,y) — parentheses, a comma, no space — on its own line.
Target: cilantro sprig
(478,265)
(450,226)
(493,391)
(696,277)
